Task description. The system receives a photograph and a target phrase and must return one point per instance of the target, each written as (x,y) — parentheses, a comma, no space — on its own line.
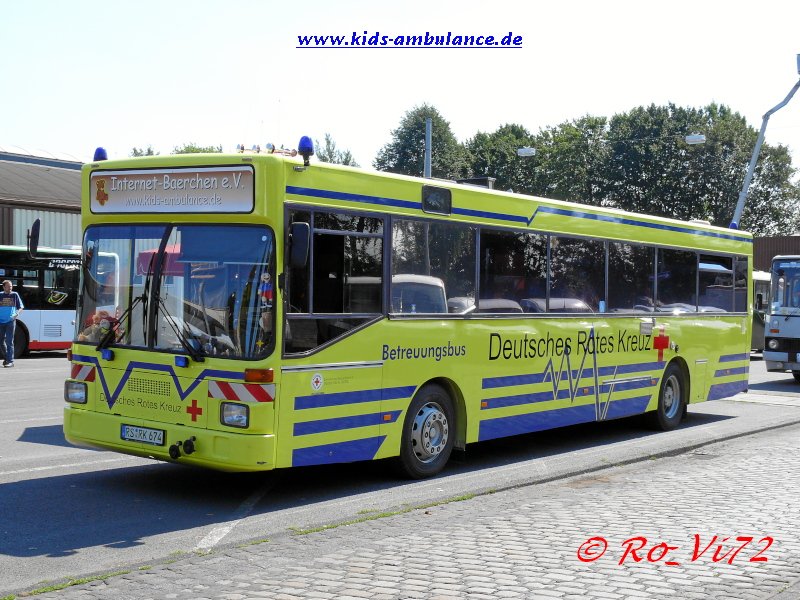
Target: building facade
(35,187)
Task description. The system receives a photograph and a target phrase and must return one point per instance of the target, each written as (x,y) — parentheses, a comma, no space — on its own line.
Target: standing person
(10,307)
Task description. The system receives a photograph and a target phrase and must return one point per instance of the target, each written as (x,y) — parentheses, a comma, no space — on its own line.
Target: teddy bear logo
(102,195)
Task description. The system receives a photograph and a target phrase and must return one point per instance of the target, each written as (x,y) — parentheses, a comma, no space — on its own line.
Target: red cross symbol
(661,343)
(194,410)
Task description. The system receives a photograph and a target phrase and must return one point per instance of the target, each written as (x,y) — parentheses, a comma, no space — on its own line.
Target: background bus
(782,336)
(275,314)
(48,286)
(761,295)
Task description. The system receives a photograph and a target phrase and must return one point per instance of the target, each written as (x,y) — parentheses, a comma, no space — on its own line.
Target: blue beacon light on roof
(100,154)
(305,149)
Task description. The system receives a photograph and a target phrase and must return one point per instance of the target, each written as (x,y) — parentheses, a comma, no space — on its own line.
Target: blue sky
(76,75)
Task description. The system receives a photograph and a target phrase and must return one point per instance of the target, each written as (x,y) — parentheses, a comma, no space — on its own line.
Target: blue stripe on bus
(512,380)
(331,195)
(564,394)
(549,419)
(732,371)
(546,376)
(628,407)
(342,398)
(490,215)
(168,369)
(339,423)
(726,390)
(577,214)
(340,452)
(733,357)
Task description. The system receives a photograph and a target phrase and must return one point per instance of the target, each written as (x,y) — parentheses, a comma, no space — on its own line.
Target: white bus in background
(761,295)
(48,286)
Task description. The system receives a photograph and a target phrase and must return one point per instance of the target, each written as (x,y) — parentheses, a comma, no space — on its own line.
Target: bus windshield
(786,283)
(205,290)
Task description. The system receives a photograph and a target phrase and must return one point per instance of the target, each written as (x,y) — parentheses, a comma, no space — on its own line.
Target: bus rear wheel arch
(673,395)
(429,433)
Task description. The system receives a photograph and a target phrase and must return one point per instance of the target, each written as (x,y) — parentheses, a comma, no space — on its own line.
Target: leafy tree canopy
(405,153)
(640,161)
(143,151)
(329,153)
(192,148)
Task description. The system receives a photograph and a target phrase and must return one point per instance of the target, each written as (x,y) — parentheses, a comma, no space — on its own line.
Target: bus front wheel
(796,375)
(671,400)
(428,433)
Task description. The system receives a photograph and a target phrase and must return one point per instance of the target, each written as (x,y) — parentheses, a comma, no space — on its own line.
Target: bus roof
(344,187)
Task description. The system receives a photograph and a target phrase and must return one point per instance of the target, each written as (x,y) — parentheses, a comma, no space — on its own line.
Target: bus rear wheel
(428,433)
(671,400)
(20,341)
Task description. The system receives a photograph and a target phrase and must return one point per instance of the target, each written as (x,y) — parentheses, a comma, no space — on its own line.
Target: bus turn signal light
(259,375)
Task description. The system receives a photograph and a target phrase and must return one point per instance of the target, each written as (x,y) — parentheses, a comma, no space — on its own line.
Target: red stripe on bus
(33,345)
(258,392)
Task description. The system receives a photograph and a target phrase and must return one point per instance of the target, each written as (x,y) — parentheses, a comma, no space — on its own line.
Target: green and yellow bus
(275,312)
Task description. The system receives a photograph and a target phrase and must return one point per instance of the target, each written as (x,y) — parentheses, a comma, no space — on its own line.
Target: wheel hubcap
(429,433)
(672,396)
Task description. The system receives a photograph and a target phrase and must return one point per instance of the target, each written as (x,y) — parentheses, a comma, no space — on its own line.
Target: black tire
(671,400)
(20,341)
(428,433)
(796,375)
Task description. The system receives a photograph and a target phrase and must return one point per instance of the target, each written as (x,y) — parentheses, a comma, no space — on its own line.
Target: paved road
(717,522)
(453,544)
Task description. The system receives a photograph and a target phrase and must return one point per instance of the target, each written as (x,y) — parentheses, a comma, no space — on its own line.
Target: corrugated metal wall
(58,229)
(766,247)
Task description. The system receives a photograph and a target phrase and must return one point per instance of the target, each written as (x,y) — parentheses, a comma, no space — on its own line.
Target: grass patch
(253,543)
(70,583)
(372,515)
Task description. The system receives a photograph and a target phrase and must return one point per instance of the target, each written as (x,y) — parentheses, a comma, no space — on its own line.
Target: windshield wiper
(193,352)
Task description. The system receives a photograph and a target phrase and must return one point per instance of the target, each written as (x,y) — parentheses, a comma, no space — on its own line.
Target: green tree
(650,168)
(570,161)
(495,155)
(143,151)
(192,148)
(329,153)
(405,153)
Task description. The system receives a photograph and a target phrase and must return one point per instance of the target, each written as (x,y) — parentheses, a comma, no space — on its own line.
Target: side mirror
(299,241)
(33,238)
(759,302)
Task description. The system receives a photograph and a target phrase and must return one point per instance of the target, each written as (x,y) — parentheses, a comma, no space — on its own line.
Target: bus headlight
(773,344)
(235,415)
(75,392)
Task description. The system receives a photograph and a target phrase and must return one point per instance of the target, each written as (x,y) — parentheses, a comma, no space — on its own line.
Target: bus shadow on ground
(544,444)
(49,435)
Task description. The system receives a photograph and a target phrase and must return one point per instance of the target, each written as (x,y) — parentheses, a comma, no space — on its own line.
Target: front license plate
(143,434)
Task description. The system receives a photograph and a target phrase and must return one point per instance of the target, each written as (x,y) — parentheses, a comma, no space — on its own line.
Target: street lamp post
(751,169)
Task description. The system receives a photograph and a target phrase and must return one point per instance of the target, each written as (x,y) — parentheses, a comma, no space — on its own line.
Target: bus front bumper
(781,361)
(225,451)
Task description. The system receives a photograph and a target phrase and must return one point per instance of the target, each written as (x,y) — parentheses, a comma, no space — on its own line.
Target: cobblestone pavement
(524,542)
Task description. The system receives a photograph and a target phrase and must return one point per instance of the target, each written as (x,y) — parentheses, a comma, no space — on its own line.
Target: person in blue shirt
(10,307)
